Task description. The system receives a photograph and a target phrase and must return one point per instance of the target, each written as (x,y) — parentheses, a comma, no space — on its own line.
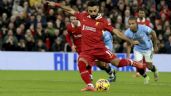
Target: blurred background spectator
(30,25)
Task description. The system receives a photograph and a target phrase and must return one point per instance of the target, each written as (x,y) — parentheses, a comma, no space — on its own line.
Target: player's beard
(93,16)
(141,18)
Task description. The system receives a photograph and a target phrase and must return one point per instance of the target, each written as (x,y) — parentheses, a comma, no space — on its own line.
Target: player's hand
(130,43)
(53,4)
(135,42)
(50,3)
(155,49)
(73,48)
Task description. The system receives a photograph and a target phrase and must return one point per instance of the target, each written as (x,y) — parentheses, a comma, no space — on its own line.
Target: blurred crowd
(30,25)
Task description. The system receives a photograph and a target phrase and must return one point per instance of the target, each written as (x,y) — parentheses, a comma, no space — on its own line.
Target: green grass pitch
(69,83)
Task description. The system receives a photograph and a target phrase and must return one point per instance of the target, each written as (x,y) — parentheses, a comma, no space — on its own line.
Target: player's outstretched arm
(65,8)
(154,38)
(122,36)
(72,45)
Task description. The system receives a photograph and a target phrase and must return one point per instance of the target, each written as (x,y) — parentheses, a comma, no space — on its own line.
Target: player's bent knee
(115,61)
(83,60)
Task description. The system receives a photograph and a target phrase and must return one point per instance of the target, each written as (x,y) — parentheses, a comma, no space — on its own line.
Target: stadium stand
(30,25)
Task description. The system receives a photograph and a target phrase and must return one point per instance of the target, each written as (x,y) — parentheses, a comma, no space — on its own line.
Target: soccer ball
(102,85)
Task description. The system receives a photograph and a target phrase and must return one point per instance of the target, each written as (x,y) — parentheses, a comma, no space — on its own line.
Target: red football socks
(84,72)
(124,62)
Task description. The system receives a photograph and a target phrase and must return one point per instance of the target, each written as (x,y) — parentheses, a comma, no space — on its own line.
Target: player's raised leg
(126,62)
(107,56)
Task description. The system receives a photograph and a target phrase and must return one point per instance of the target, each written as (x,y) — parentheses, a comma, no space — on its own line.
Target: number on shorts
(109,53)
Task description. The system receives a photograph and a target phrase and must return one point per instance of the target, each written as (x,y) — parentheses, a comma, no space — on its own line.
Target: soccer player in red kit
(92,45)
(74,39)
(142,19)
(74,34)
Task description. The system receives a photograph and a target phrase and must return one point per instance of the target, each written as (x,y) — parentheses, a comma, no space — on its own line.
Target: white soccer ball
(102,85)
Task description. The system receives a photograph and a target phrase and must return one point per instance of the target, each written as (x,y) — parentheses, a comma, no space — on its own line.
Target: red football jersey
(75,33)
(92,31)
(144,21)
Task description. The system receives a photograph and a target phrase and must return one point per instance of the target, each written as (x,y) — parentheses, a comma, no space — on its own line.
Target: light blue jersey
(108,40)
(142,35)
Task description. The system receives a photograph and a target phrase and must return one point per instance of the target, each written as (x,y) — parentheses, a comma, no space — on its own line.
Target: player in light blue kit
(144,49)
(108,40)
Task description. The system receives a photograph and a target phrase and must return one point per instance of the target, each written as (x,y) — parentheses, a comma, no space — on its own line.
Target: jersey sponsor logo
(77,36)
(73,31)
(84,20)
(89,28)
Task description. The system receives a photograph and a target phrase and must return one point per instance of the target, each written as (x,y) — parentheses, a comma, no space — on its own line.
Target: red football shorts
(104,55)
